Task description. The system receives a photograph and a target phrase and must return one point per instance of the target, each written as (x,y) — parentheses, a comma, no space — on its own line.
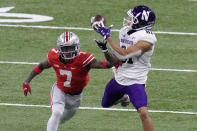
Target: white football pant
(64,106)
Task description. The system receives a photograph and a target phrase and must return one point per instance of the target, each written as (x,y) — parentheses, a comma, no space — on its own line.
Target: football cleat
(126,101)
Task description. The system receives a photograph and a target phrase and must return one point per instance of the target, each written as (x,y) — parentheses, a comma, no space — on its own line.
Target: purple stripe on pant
(115,91)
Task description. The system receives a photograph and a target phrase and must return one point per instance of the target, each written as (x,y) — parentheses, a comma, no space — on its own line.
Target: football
(98,20)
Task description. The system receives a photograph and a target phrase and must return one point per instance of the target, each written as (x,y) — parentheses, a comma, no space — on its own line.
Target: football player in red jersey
(71,66)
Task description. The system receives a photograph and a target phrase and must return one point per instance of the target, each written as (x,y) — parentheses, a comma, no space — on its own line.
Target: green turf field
(167,90)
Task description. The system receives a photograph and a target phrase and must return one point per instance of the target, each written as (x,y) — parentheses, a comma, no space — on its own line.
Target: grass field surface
(167,90)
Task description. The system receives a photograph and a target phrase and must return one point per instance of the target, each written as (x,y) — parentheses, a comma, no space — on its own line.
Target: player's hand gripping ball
(98,21)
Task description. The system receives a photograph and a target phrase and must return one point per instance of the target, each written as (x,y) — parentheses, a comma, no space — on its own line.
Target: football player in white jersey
(134,51)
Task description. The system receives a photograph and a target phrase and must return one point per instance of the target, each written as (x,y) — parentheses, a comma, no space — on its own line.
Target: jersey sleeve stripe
(89,61)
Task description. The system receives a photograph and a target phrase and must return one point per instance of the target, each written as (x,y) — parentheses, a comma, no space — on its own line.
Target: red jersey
(71,77)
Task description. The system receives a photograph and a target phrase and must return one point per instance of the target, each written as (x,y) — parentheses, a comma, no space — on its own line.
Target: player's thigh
(137,95)
(57,96)
(113,92)
(73,101)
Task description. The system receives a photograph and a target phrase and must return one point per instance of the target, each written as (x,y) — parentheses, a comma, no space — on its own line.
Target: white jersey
(135,69)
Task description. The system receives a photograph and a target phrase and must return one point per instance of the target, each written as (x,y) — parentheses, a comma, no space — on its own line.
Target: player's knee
(105,105)
(143,113)
(68,115)
(71,112)
(57,113)
(144,116)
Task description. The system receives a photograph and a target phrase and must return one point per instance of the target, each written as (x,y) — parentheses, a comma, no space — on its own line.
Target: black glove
(102,45)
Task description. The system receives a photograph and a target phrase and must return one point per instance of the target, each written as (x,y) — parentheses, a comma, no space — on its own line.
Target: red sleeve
(52,55)
(88,57)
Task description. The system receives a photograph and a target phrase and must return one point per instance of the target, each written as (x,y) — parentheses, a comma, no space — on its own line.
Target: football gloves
(102,45)
(26,88)
(105,33)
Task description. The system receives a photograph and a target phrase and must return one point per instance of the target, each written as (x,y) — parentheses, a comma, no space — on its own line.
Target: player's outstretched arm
(133,50)
(36,70)
(98,64)
(112,60)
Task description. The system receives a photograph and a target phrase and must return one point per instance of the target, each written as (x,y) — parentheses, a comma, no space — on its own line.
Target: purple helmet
(140,17)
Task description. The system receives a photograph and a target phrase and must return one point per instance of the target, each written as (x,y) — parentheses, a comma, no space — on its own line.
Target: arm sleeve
(121,57)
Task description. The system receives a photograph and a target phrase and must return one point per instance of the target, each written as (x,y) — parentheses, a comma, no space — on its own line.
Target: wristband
(37,70)
(105,63)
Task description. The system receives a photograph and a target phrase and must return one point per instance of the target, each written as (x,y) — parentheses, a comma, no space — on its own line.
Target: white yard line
(22,63)
(99,108)
(90,29)
(155,69)
(179,70)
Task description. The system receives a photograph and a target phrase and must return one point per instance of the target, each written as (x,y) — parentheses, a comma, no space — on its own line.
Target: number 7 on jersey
(69,76)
